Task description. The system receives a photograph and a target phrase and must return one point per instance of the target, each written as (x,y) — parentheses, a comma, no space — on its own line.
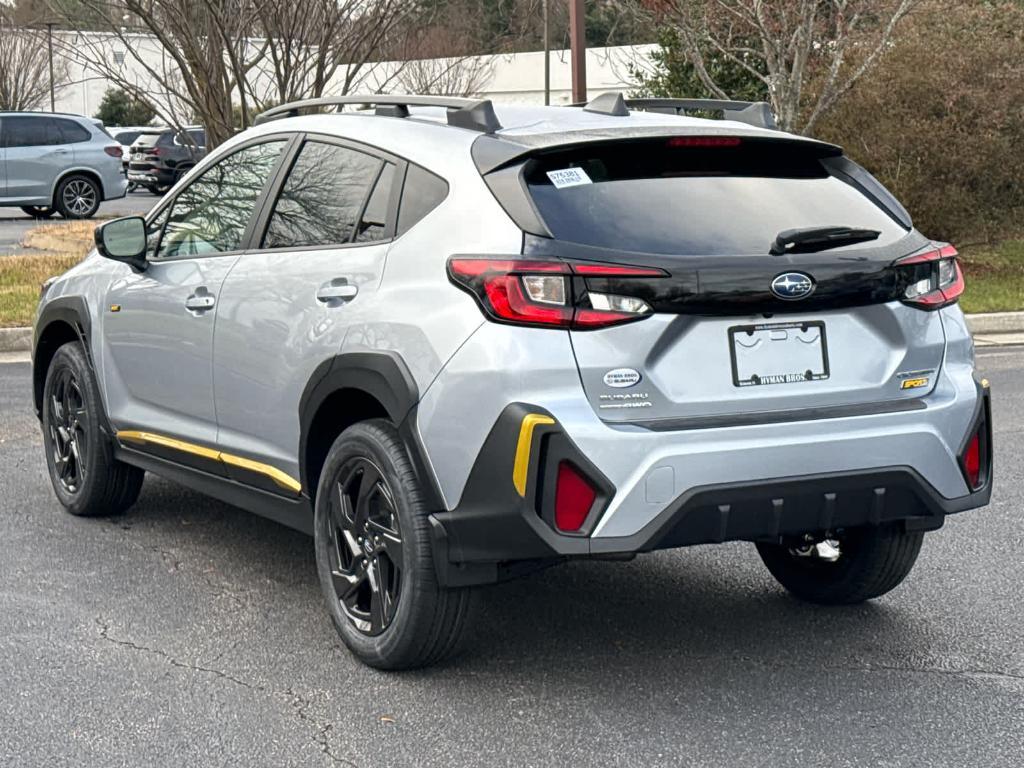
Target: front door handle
(200,301)
(337,290)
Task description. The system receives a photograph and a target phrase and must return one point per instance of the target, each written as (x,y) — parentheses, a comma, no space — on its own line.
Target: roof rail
(758,113)
(473,114)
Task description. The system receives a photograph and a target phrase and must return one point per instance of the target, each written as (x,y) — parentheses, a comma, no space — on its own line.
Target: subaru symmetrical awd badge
(791,286)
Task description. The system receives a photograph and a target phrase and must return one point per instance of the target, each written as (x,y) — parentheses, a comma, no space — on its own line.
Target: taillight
(574,497)
(114,151)
(935,279)
(548,293)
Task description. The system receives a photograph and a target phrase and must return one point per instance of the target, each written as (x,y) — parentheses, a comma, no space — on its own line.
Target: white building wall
(517,78)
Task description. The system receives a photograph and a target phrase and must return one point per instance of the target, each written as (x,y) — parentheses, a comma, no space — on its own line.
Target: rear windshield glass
(669,196)
(148,139)
(125,137)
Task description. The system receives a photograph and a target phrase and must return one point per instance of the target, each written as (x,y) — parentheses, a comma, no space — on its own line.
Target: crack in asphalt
(298,703)
(173,661)
(301,706)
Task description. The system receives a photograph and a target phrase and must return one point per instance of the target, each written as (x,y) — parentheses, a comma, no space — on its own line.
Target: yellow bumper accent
(521,468)
(280,478)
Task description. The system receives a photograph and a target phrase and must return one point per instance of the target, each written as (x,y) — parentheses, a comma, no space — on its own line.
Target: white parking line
(15,357)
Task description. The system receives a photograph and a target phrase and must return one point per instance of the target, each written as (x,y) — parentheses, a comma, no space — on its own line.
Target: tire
(159,190)
(78,197)
(870,562)
(38,211)
(86,477)
(414,621)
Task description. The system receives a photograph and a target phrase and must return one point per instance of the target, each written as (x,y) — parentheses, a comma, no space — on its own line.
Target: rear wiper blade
(819,239)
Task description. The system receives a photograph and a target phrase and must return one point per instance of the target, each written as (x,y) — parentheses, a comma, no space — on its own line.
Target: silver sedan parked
(56,163)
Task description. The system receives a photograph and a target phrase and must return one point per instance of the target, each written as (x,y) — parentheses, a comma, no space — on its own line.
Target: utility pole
(547,57)
(578,45)
(49,46)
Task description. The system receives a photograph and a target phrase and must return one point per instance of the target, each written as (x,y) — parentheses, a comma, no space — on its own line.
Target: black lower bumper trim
(479,547)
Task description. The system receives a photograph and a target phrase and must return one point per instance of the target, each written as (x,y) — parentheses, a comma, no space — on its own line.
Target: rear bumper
(496,533)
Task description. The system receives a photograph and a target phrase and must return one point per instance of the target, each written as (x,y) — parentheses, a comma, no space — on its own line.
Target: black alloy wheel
(365,551)
(69,440)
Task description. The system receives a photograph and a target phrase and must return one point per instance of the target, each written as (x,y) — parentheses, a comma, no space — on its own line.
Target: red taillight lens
(574,497)
(543,293)
(972,462)
(114,151)
(936,279)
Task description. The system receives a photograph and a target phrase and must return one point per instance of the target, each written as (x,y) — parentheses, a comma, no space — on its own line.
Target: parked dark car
(160,157)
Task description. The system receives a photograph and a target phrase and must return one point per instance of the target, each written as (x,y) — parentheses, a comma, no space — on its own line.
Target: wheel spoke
(377,590)
(390,541)
(367,486)
(341,508)
(346,585)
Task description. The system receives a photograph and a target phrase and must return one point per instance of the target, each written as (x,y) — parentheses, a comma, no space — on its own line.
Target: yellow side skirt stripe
(280,478)
(521,467)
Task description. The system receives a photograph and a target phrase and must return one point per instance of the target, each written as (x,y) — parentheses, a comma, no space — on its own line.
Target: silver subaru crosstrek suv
(460,343)
(57,163)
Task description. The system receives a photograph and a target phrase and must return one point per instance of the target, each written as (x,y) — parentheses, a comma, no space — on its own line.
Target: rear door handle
(337,290)
(200,301)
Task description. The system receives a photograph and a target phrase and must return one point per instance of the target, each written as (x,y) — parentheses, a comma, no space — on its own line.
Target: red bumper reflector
(574,497)
(972,462)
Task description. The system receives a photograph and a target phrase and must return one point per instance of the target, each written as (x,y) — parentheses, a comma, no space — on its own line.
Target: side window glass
(322,197)
(422,193)
(71,132)
(210,215)
(374,222)
(24,131)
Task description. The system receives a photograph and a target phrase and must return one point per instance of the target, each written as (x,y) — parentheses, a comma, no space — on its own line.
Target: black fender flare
(385,377)
(72,311)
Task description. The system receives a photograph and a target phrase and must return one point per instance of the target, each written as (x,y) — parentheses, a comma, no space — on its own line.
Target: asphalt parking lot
(190,633)
(14,224)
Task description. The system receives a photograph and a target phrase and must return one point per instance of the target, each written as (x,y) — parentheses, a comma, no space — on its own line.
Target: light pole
(547,58)
(578,45)
(49,47)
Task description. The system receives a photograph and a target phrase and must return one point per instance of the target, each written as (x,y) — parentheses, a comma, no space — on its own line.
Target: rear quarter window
(422,193)
(670,198)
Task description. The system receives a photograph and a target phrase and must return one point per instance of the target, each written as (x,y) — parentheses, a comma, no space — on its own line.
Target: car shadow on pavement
(682,610)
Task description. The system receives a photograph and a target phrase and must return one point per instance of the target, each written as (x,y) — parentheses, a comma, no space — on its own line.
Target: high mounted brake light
(705,141)
(936,279)
(549,294)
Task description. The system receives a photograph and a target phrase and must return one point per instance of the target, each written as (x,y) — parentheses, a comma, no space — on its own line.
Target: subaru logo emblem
(791,286)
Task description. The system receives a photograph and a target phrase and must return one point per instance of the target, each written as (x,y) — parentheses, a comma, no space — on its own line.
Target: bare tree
(807,53)
(313,45)
(221,61)
(24,67)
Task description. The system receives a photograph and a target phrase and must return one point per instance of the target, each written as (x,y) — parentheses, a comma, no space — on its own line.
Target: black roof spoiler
(756,113)
(472,114)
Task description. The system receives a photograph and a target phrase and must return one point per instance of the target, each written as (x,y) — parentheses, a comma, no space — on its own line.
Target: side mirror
(123,240)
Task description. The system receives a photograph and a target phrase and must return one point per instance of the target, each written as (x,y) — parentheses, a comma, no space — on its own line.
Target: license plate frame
(768,334)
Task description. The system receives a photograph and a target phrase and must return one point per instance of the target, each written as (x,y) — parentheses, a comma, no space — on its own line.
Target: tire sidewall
(71,356)
(415,608)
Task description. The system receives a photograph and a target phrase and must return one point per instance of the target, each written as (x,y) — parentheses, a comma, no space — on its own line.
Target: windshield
(697,196)
(126,137)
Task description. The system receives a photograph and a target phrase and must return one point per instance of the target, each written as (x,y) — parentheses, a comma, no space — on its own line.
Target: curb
(996,322)
(20,339)
(15,339)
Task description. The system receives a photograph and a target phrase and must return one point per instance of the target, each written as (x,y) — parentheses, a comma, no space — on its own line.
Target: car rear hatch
(144,152)
(770,270)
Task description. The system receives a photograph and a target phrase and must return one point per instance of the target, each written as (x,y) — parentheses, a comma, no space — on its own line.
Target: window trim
(289,140)
(401,165)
